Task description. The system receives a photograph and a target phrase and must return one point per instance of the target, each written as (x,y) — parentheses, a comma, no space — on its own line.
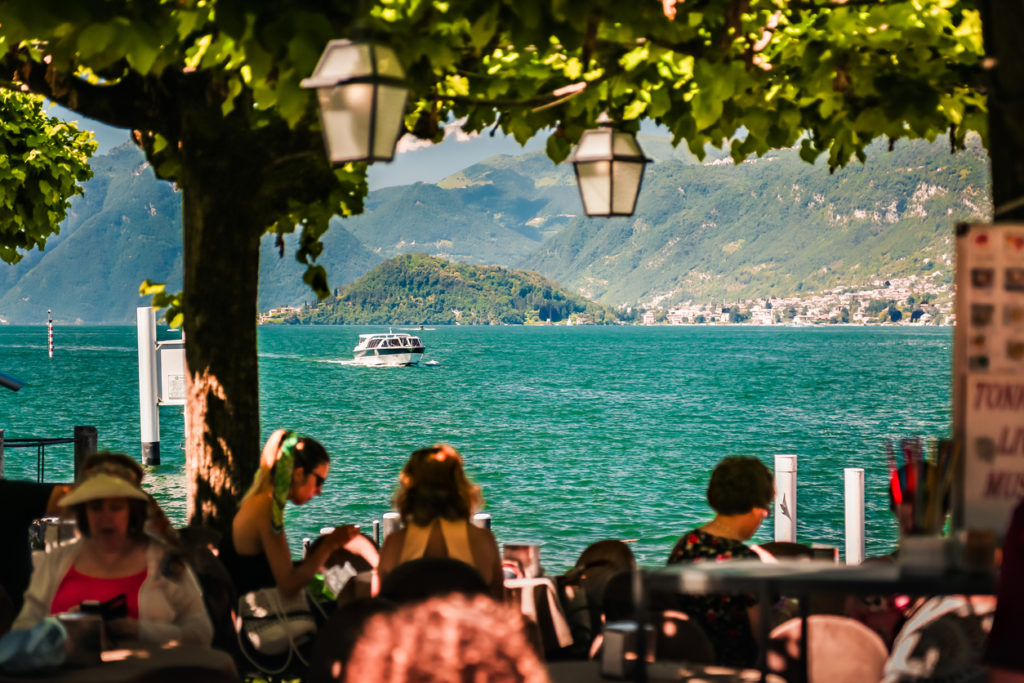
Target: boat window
(415,341)
(373,343)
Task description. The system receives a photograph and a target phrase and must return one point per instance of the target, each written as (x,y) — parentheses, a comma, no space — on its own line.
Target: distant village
(912,300)
(900,301)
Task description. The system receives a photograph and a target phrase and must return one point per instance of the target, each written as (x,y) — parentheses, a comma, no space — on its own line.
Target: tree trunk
(1003,29)
(221,263)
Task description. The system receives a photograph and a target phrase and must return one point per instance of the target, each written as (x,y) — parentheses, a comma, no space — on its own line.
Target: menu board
(988,397)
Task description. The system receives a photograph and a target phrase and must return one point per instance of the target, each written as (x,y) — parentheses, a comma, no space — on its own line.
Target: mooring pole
(49,331)
(854,490)
(785,498)
(86,440)
(149,414)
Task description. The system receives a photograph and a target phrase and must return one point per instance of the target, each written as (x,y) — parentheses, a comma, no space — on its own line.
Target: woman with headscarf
(436,502)
(255,550)
(127,553)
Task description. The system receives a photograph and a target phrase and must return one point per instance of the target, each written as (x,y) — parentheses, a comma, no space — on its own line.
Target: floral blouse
(722,616)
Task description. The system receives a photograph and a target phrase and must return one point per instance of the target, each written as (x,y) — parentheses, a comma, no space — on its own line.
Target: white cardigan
(168,609)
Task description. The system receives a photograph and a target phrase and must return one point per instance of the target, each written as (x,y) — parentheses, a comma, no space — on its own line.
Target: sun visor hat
(102,485)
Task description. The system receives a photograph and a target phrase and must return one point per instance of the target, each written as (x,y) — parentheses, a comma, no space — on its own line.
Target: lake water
(575,433)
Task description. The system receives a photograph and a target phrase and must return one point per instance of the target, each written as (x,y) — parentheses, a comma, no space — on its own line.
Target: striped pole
(49,330)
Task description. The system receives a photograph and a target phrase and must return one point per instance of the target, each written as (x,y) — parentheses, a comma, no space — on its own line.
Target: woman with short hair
(740,492)
(436,502)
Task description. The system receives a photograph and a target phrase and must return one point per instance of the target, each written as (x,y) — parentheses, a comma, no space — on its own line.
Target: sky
(415,161)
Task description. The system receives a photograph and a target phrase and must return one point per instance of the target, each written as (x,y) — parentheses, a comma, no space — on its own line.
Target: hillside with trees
(416,289)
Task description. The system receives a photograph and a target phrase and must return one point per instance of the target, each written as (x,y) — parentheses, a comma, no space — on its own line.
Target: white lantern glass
(609,170)
(362,100)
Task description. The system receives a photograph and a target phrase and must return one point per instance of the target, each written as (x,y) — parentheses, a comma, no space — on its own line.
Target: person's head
(310,467)
(741,486)
(453,638)
(433,484)
(428,577)
(107,502)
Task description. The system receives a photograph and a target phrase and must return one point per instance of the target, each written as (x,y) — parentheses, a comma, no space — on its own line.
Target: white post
(854,496)
(390,521)
(49,331)
(785,498)
(482,520)
(149,414)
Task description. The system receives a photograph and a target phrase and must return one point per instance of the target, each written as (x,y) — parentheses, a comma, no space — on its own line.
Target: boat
(388,348)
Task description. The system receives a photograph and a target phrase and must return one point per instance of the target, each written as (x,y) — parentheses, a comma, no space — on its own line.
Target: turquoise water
(575,433)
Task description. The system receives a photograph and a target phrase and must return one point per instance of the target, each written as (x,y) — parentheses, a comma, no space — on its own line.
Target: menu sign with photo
(988,404)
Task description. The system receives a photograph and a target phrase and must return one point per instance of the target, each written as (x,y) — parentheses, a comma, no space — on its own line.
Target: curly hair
(739,484)
(433,484)
(446,640)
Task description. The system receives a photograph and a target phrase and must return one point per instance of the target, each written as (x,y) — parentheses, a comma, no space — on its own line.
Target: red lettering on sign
(999,396)
(1011,441)
(1004,485)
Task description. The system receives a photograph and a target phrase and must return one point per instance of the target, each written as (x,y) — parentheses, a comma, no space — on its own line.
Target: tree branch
(126,103)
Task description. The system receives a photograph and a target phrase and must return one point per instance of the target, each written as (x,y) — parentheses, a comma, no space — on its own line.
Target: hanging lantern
(362,96)
(609,168)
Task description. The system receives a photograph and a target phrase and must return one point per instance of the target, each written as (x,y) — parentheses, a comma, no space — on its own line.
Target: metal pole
(49,331)
(85,445)
(854,490)
(482,520)
(785,498)
(376,532)
(149,413)
(2,454)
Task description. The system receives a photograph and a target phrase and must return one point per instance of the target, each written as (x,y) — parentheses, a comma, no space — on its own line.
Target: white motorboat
(390,348)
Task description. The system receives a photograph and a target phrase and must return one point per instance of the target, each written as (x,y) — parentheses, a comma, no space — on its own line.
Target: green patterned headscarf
(282,480)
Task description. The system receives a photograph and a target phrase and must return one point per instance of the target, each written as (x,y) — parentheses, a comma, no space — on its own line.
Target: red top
(76,587)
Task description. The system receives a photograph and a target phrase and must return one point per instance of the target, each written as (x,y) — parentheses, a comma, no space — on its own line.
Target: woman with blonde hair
(255,551)
(437,502)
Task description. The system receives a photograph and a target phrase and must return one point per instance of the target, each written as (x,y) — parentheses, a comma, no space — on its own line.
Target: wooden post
(85,445)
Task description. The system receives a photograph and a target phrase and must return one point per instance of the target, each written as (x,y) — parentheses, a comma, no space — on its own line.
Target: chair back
(840,650)
(788,549)
(680,639)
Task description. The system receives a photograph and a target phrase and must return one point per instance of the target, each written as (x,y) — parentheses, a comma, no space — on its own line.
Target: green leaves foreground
(42,162)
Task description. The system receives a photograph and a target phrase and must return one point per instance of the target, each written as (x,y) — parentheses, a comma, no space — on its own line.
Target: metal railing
(85,440)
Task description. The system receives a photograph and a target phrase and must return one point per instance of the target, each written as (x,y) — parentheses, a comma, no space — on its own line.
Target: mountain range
(706,230)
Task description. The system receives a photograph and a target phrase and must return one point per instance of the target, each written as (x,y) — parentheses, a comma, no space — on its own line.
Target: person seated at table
(436,502)
(740,492)
(127,551)
(255,549)
(1003,652)
(451,638)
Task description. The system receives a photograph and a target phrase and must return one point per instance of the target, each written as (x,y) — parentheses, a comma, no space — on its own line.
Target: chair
(840,650)
(680,639)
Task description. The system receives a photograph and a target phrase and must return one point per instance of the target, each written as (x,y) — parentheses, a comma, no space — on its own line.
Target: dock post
(854,490)
(149,413)
(390,521)
(482,520)
(86,439)
(376,532)
(785,498)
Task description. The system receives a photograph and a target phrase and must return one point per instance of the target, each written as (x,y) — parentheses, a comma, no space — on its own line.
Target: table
(590,671)
(138,662)
(804,578)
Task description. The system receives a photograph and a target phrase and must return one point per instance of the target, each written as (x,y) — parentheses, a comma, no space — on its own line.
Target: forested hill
(417,289)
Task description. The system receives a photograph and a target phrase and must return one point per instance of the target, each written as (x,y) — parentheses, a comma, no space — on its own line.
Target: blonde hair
(446,640)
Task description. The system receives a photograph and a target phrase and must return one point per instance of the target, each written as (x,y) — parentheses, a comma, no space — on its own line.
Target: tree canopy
(42,162)
(211,89)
